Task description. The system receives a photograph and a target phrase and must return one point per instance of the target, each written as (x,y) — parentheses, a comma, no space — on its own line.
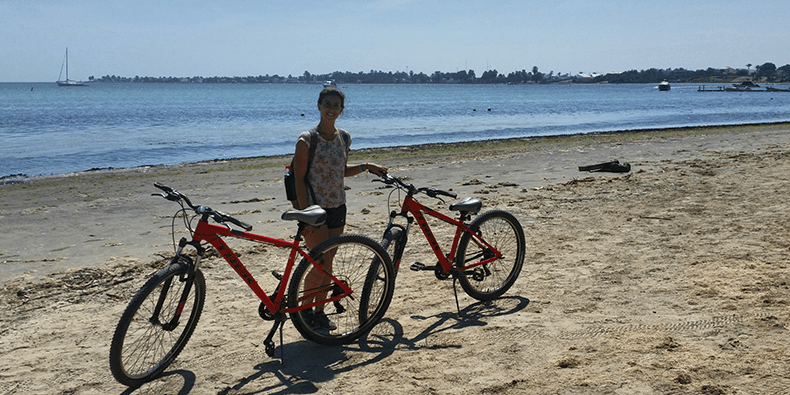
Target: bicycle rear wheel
(502,231)
(349,258)
(149,336)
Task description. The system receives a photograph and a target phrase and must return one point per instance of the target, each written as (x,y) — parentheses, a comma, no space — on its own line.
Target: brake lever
(168,196)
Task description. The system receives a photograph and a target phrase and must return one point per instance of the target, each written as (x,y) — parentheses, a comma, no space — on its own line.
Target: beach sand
(670,279)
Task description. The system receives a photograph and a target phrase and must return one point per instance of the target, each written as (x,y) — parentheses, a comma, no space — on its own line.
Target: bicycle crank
(264,312)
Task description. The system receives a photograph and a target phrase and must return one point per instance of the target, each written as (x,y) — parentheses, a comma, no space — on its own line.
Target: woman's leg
(316,280)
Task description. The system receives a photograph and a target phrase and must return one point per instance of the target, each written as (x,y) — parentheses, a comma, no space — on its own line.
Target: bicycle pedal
(269,344)
(418,266)
(277,275)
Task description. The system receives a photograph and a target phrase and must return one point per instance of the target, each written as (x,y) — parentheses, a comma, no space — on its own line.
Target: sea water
(46,129)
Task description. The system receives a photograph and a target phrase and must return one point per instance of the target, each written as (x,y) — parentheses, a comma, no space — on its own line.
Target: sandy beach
(670,279)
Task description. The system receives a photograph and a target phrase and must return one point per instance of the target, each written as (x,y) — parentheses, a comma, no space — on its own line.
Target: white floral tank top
(328,169)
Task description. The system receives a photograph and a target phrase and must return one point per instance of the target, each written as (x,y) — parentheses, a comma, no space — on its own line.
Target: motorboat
(744,86)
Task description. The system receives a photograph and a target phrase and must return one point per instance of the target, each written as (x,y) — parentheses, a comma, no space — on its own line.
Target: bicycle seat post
(300,228)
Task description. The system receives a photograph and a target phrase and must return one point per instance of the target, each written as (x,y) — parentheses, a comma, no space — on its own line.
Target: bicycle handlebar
(412,190)
(175,196)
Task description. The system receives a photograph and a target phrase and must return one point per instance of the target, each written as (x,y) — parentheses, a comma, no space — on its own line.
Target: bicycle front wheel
(372,290)
(360,264)
(502,231)
(154,328)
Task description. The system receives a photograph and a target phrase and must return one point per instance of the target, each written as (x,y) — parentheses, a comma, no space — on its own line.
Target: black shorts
(336,217)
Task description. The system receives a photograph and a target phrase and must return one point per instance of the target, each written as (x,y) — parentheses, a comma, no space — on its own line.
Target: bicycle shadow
(470,316)
(176,382)
(306,363)
(317,364)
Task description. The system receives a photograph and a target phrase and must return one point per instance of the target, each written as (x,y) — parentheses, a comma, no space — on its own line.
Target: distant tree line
(767,71)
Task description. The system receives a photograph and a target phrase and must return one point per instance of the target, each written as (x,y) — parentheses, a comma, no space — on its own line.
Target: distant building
(582,77)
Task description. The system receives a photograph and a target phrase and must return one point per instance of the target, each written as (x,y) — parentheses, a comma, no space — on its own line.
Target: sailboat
(67,81)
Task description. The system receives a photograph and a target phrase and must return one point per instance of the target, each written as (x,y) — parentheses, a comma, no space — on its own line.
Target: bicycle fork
(188,278)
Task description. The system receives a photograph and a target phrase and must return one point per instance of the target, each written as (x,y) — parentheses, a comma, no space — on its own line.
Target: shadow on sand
(307,363)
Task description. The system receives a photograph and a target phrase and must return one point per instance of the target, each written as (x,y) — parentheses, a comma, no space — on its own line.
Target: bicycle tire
(353,257)
(502,231)
(142,347)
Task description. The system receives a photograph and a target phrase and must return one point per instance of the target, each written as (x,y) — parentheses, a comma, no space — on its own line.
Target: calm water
(46,129)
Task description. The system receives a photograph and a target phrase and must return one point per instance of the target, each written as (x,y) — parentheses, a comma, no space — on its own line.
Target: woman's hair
(332,91)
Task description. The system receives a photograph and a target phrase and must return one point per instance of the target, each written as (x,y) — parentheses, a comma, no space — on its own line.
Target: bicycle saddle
(313,215)
(467,205)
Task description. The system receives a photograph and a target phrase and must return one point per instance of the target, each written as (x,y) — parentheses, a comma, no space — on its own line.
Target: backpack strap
(310,155)
(344,137)
(313,145)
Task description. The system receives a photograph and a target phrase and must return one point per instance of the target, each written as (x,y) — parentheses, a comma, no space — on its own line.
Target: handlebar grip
(170,193)
(446,193)
(222,217)
(163,187)
(431,192)
(242,224)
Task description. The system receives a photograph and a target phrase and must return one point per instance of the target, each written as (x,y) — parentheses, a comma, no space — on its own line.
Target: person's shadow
(305,363)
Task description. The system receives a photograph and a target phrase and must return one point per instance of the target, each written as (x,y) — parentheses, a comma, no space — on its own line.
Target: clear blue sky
(240,38)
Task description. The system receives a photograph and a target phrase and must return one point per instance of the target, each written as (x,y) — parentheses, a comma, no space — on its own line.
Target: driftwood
(612,166)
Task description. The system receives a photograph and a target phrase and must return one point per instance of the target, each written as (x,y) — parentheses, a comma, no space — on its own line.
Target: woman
(325,179)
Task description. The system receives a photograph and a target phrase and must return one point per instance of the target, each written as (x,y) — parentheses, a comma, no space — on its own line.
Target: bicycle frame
(212,234)
(418,210)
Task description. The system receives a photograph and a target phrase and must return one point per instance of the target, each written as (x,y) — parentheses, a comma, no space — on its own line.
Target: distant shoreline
(762,73)
(559,82)
(434,148)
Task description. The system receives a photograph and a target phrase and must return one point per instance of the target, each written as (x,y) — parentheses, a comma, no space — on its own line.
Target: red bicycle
(351,273)
(487,254)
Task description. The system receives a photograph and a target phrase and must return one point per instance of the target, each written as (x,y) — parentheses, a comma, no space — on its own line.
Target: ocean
(48,130)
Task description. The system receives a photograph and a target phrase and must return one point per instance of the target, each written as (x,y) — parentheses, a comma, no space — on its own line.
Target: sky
(288,37)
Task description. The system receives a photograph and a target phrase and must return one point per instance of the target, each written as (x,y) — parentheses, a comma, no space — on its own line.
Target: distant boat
(746,84)
(743,86)
(67,81)
(327,84)
(663,86)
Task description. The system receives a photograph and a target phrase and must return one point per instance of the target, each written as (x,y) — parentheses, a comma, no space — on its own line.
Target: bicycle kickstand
(279,322)
(455,291)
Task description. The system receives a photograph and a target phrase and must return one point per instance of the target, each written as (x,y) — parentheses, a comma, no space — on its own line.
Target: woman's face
(331,107)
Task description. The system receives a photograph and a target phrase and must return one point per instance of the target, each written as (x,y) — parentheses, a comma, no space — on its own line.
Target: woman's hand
(374,168)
